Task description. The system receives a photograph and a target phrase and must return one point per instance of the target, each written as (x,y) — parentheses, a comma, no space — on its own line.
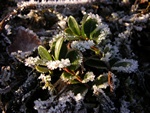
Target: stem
(73,73)
(110,82)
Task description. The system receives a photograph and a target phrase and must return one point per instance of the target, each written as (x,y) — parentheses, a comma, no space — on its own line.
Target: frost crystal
(30,61)
(124,107)
(89,76)
(58,64)
(82,45)
(131,67)
(61,105)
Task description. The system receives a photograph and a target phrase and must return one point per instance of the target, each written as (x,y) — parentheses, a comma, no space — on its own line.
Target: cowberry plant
(83,56)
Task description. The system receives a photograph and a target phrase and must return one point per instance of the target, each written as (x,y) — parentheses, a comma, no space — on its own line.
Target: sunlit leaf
(68,31)
(73,25)
(60,48)
(41,69)
(44,54)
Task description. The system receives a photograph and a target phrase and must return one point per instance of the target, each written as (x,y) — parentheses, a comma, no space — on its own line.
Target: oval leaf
(73,25)
(94,35)
(122,64)
(58,47)
(96,63)
(41,69)
(88,27)
(44,54)
(74,57)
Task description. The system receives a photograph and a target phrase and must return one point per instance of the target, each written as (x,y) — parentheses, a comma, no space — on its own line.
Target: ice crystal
(58,64)
(31,61)
(131,67)
(60,105)
(89,76)
(82,45)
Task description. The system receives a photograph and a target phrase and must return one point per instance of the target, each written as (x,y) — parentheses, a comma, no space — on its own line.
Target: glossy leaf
(96,63)
(44,54)
(41,69)
(68,31)
(88,27)
(73,25)
(94,35)
(73,55)
(60,49)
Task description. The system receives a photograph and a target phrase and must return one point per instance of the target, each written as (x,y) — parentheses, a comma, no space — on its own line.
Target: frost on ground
(104,65)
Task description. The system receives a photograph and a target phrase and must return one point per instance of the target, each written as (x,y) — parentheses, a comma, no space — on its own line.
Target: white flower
(131,67)
(58,64)
(30,61)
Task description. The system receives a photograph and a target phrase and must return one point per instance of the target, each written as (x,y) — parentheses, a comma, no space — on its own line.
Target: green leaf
(44,54)
(41,69)
(101,80)
(88,27)
(73,25)
(41,62)
(74,57)
(67,77)
(113,61)
(122,64)
(96,63)
(68,31)
(94,35)
(85,17)
(82,89)
(60,49)
(70,35)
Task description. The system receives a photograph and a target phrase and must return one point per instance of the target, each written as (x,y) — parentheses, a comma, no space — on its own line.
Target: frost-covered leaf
(101,81)
(122,64)
(67,77)
(125,65)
